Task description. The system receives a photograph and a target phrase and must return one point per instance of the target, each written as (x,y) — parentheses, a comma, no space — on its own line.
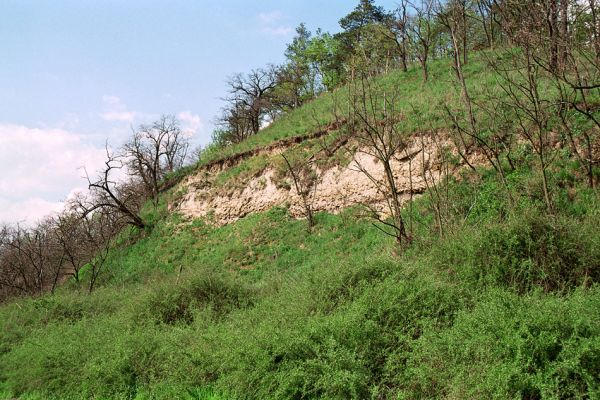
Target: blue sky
(74,74)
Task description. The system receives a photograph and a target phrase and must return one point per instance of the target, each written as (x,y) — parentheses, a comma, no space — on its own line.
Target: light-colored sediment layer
(335,188)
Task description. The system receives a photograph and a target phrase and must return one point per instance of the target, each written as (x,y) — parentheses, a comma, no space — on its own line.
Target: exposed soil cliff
(333,188)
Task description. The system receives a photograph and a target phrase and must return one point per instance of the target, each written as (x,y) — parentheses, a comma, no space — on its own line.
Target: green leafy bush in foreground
(505,305)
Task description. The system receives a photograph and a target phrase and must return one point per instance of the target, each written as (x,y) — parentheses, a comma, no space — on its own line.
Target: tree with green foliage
(363,36)
(365,13)
(297,77)
(325,54)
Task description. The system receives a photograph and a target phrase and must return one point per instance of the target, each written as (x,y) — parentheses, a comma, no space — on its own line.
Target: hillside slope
(229,296)
(252,176)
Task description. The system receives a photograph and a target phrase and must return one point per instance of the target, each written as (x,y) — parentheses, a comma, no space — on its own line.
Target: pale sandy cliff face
(335,188)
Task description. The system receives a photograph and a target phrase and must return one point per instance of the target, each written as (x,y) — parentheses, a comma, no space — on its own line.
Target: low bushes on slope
(503,305)
(511,346)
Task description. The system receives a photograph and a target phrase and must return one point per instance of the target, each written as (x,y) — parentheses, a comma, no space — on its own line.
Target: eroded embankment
(333,187)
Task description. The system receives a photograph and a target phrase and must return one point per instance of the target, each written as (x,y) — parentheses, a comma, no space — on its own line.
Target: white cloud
(270,17)
(41,167)
(270,23)
(69,122)
(111,100)
(28,211)
(123,116)
(117,111)
(278,31)
(191,123)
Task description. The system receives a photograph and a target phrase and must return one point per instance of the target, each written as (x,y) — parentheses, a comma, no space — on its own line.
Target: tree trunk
(464,32)
(595,29)
(564,33)
(424,67)
(396,206)
(553,33)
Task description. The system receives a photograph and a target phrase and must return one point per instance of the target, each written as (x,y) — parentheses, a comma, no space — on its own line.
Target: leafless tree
(234,123)
(492,141)
(450,15)
(16,275)
(577,82)
(460,38)
(520,83)
(51,251)
(595,27)
(100,229)
(155,150)
(397,30)
(377,118)
(549,53)
(580,140)
(486,15)
(30,259)
(300,170)
(123,198)
(69,233)
(422,32)
(252,94)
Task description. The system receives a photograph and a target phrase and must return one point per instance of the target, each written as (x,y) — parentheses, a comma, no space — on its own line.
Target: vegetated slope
(252,176)
(500,301)
(420,102)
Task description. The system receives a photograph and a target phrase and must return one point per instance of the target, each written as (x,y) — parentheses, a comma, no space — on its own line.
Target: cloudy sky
(75,74)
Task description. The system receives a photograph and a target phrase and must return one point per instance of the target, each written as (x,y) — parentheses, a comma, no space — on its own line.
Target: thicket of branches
(36,259)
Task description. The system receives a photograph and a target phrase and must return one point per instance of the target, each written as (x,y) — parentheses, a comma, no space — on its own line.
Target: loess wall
(332,188)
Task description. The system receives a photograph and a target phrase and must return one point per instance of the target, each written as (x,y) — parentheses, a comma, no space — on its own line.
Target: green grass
(411,94)
(421,105)
(414,100)
(505,305)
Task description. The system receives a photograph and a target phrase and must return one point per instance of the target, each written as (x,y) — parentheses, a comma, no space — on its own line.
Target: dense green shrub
(171,304)
(503,305)
(510,346)
(525,251)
